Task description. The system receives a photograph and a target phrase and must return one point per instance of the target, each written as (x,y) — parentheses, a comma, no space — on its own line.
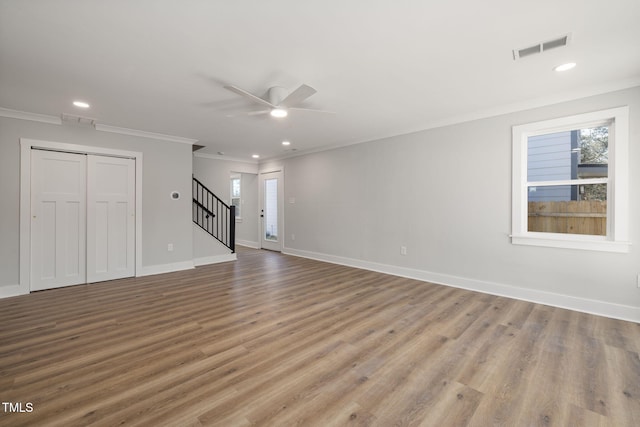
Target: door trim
(26,145)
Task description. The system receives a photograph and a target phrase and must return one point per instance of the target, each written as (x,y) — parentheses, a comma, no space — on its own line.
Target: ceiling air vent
(541,47)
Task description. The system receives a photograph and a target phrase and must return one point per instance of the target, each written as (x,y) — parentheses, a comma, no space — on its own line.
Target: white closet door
(110,218)
(58,227)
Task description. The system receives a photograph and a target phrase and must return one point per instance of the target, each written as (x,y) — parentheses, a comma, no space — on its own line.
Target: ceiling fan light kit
(278,112)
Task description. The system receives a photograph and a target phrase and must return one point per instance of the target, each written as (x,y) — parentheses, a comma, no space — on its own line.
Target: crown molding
(144,134)
(33,117)
(55,120)
(225,158)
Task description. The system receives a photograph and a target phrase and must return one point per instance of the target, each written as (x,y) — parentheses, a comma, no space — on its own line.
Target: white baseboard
(600,308)
(248,243)
(214,259)
(12,291)
(148,270)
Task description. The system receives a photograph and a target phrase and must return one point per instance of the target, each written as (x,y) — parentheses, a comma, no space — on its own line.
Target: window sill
(586,243)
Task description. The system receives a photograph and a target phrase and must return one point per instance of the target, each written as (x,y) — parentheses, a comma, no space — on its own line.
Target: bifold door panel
(58,220)
(110,218)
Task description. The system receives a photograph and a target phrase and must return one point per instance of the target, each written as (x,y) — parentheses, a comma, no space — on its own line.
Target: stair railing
(213,215)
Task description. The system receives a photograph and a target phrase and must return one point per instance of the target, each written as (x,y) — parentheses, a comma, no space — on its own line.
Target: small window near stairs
(236,191)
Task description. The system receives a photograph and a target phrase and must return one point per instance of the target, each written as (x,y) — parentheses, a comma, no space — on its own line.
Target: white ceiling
(385,67)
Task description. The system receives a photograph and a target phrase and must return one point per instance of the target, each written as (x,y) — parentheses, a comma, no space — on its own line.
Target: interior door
(110,218)
(58,225)
(271,210)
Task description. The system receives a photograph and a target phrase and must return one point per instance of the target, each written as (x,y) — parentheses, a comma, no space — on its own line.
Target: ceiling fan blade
(257,113)
(313,110)
(298,95)
(250,96)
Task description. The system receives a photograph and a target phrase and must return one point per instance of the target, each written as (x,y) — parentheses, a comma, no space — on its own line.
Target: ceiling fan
(278,104)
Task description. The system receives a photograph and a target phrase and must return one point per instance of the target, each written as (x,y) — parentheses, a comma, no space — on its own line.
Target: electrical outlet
(293,237)
(170,247)
(403,250)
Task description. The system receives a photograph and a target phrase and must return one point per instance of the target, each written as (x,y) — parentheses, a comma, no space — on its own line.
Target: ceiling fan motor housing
(276,94)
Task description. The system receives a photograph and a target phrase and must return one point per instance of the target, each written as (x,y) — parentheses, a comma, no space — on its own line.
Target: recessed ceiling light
(256,156)
(278,112)
(565,67)
(286,143)
(81,104)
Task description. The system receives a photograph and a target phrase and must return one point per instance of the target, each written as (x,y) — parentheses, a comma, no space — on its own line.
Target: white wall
(215,174)
(247,231)
(166,168)
(208,250)
(445,194)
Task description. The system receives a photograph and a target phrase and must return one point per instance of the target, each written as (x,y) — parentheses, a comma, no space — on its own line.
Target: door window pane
(271,209)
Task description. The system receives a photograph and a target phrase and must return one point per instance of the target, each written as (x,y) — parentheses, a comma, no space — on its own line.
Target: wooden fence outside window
(571,217)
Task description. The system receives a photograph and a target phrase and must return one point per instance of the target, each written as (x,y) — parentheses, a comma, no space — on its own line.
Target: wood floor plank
(276,340)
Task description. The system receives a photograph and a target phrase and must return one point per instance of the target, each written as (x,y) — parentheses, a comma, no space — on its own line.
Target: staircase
(213,215)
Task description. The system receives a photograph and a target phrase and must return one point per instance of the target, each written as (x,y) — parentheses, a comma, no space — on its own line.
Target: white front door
(58,227)
(271,196)
(110,218)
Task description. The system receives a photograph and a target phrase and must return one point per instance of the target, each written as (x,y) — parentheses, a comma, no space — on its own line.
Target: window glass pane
(594,145)
(235,187)
(569,209)
(572,154)
(271,209)
(236,202)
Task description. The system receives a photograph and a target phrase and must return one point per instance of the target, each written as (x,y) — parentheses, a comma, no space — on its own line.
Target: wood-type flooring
(277,340)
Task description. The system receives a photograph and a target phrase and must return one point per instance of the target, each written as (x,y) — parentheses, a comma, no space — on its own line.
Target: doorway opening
(271,210)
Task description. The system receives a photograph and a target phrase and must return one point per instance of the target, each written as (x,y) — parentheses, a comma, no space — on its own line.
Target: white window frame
(617,182)
(233,177)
